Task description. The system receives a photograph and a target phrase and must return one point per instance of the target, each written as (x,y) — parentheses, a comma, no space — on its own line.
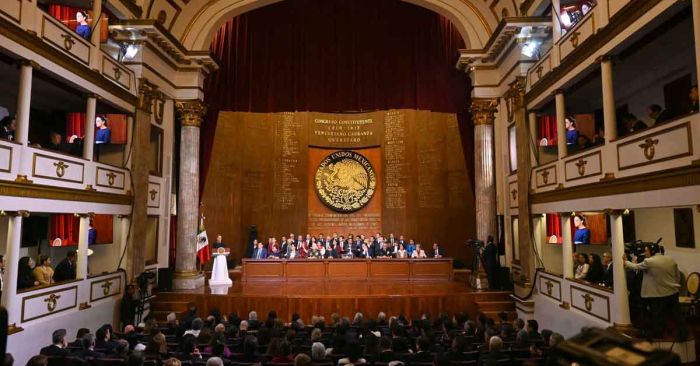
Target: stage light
(531,49)
(131,51)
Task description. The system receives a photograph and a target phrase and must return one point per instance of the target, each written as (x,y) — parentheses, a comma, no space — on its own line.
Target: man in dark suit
(491,263)
(437,251)
(260,252)
(658,114)
(607,269)
(219,244)
(58,344)
(88,351)
(386,355)
(423,351)
(65,270)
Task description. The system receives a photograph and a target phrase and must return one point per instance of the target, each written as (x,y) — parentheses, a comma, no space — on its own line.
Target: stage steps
(494,302)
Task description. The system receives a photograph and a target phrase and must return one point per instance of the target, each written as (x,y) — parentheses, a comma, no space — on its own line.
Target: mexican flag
(203,251)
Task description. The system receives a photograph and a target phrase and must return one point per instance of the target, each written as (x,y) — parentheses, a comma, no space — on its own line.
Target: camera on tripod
(636,248)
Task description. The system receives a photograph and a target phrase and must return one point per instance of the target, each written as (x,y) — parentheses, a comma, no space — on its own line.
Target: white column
(89,138)
(9,293)
(561,125)
(24,99)
(696,34)
(129,140)
(95,35)
(609,117)
(621,310)
(567,246)
(556,33)
(81,270)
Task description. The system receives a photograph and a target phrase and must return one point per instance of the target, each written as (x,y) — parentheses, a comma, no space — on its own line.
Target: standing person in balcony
(103,134)
(83,28)
(571,131)
(582,235)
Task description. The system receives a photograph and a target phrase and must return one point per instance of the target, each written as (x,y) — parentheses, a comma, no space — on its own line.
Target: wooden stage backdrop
(261,173)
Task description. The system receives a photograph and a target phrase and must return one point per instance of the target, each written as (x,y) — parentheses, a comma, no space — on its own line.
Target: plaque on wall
(345,181)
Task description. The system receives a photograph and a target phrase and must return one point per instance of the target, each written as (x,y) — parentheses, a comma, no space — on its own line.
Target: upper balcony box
(11,9)
(63,38)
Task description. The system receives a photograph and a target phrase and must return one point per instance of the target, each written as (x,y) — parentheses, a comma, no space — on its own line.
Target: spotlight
(131,51)
(531,49)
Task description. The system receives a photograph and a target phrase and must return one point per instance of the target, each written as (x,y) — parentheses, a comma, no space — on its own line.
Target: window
(684,228)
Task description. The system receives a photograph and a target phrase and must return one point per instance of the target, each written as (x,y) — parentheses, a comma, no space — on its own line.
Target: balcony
(662,147)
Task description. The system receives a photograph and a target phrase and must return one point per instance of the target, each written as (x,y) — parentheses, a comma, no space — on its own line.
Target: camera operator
(491,263)
(128,306)
(660,286)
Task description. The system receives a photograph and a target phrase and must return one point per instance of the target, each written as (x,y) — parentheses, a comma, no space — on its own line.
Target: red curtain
(66,227)
(336,56)
(553,226)
(75,124)
(548,130)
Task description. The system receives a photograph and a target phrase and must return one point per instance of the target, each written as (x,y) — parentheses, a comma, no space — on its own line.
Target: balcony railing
(661,147)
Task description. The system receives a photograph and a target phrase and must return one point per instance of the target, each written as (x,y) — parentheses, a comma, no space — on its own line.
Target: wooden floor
(309,298)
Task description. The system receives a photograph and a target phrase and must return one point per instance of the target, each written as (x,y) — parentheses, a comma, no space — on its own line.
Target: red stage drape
(336,56)
(66,227)
(548,130)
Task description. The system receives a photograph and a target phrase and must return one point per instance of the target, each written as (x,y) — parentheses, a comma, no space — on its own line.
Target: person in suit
(437,251)
(65,270)
(607,270)
(491,263)
(292,251)
(386,354)
(219,243)
(58,345)
(88,351)
(422,351)
(259,252)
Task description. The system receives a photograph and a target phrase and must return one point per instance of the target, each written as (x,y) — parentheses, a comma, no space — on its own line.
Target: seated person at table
(275,252)
(384,252)
(401,252)
(364,251)
(259,252)
(437,251)
(411,248)
(419,253)
(292,251)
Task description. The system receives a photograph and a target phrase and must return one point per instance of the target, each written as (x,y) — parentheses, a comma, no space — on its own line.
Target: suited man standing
(259,252)
(607,270)
(219,244)
(491,263)
(437,251)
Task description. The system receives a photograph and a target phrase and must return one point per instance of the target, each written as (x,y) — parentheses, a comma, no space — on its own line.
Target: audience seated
(8,126)
(439,340)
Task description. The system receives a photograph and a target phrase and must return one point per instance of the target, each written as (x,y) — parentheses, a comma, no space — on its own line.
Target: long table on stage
(430,269)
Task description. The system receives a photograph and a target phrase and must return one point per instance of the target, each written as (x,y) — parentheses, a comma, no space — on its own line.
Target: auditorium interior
(346,182)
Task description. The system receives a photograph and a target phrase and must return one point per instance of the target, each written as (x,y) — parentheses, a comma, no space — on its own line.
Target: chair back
(692,282)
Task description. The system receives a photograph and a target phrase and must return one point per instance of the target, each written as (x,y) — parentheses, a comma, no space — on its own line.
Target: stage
(324,297)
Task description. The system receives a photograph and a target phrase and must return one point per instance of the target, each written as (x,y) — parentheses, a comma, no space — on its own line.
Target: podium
(219,272)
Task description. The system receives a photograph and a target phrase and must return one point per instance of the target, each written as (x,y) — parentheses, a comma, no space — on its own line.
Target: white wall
(652,223)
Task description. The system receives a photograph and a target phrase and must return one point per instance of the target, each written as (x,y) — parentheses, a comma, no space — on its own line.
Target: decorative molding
(664,179)
(51,300)
(15,189)
(148,93)
(515,96)
(648,146)
(483,110)
(191,112)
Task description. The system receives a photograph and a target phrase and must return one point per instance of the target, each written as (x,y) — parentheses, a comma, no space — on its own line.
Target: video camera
(477,244)
(143,279)
(636,248)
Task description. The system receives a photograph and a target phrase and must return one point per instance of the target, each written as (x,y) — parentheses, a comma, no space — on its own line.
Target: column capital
(148,93)
(484,110)
(191,112)
(31,63)
(604,58)
(616,212)
(20,213)
(558,91)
